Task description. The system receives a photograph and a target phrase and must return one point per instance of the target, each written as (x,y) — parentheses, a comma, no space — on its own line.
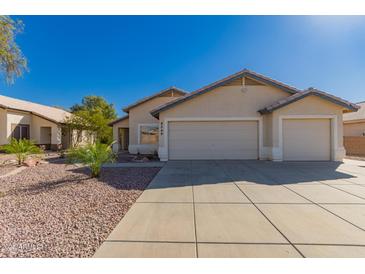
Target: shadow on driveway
(184,173)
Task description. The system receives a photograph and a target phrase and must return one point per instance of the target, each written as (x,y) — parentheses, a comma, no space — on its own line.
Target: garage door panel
(307,139)
(213,140)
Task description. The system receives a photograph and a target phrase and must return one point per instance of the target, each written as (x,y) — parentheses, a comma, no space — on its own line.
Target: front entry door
(123,138)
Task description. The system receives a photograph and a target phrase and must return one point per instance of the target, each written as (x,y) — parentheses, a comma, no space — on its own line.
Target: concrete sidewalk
(146,164)
(245,209)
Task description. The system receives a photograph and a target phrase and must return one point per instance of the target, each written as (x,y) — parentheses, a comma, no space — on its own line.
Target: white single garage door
(204,140)
(306,139)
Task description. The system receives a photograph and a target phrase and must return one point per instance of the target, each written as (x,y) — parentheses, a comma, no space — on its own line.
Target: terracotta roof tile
(358,115)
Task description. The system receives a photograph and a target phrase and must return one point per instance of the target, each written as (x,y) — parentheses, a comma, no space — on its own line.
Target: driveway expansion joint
(203,176)
(282,234)
(194,214)
(314,203)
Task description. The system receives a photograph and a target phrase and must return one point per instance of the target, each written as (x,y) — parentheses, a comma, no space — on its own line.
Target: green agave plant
(92,155)
(22,149)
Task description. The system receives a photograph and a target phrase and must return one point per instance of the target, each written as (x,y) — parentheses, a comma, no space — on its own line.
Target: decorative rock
(30,162)
(57,210)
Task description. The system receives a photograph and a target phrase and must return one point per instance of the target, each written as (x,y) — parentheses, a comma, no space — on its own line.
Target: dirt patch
(56,210)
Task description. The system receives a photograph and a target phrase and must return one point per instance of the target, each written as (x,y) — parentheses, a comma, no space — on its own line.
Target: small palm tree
(22,149)
(92,155)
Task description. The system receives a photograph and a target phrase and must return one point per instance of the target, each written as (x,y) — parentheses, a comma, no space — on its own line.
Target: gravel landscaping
(6,169)
(57,210)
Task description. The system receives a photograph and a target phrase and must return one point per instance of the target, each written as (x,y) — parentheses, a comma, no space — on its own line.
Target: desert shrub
(92,155)
(22,149)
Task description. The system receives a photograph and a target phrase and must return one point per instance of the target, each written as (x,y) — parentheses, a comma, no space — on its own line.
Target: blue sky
(124,58)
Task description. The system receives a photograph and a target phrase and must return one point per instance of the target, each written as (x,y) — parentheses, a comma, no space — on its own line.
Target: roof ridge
(331,95)
(293,98)
(147,98)
(121,118)
(33,103)
(242,73)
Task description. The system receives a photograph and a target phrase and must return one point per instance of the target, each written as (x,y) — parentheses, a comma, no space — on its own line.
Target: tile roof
(118,120)
(160,93)
(358,115)
(311,91)
(243,73)
(49,113)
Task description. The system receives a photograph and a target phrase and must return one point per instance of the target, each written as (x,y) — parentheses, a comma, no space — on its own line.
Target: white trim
(165,155)
(279,154)
(139,131)
(266,153)
(354,121)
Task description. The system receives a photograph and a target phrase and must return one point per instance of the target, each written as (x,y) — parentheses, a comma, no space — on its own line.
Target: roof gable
(255,77)
(49,113)
(355,116)
(118,120)
(311,91)
(173,90)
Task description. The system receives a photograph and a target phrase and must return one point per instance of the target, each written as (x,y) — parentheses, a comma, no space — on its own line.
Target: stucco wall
(229,101)
(354,129)
(3,126)
(311,105)
(141,115)
(35,130)
(267,123)
(121,124)
(9,117)
(15,117)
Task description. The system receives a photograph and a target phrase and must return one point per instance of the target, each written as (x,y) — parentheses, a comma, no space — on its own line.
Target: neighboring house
(354,131)
(248,116)
(354,123)
(21,119)
(137,131)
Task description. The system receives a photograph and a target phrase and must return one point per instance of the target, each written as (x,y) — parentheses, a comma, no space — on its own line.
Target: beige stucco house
(354,131)
(137,131)
(243,116)
(43,124)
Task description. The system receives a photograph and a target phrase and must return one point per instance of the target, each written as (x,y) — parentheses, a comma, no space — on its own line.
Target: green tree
(12,61)
(93,114)
(96,104)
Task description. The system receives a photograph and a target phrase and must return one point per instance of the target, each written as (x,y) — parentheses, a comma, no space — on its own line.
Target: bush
(22,149)
(92,155)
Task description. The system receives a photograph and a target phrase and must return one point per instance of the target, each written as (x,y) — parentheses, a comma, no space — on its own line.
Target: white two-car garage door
(307,139)
(204,140)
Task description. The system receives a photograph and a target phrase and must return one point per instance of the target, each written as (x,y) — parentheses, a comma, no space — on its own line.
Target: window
(148,134)
(20,131)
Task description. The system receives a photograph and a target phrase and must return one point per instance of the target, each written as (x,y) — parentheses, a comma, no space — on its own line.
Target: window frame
(140,132)
(14,126)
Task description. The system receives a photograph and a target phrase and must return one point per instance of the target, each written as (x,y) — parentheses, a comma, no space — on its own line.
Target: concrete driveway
(246,209)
